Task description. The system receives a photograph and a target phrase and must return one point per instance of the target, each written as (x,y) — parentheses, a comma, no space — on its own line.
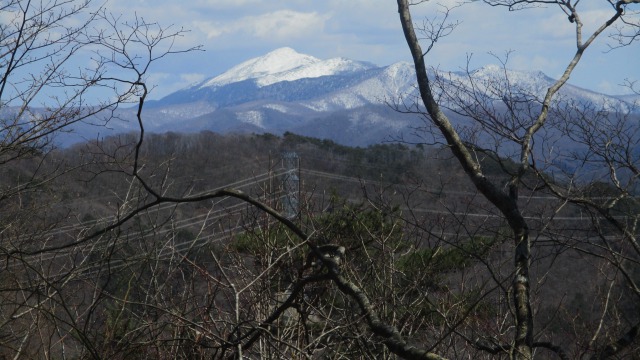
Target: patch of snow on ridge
(394,83)
(277,61)
(494,79)
(317,106)
(339,101)
(285,64)
(402,72)
(279,108)
(188,111)
(375,120)
(321,68)
(252,117)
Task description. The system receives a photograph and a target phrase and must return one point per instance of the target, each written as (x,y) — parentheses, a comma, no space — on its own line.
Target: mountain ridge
(284,90)
(284,64)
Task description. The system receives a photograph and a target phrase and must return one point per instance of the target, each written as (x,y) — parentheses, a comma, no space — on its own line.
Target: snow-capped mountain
(496,82)
(284,64)
(340,99)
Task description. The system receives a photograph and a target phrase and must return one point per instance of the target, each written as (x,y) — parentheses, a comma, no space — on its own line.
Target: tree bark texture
(505,202)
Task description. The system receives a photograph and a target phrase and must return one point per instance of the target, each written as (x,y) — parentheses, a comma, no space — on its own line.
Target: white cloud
(226,3)
(276,25)
(164,83)
(554,26)
(285,24)
(209,29)
(192,78)
(536,62)
(158,80)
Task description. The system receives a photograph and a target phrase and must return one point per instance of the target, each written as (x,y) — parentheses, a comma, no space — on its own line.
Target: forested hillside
(197,278)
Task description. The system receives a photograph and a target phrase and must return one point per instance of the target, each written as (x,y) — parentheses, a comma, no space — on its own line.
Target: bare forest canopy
(424,247)
(514,234)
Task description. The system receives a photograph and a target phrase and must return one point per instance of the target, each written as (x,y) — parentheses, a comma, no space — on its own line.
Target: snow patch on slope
(277,61)
(277,107)
(493,81)
(392,84)
(376,120)
(188,111)
(339,101)
(252,117)
(285,64)
(321,68)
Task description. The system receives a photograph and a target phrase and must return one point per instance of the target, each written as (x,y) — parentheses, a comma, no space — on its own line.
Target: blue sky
(232,31)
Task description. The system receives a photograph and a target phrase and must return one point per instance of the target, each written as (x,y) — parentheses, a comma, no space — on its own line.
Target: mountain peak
(285,64)
(277,61)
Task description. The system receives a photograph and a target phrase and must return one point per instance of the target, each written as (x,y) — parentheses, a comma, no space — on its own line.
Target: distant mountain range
(339,99)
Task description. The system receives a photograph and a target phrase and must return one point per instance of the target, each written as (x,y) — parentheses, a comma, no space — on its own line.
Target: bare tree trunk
(505,202)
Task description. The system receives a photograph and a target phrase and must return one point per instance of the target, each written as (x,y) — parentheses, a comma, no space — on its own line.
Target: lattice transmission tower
(291,184)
